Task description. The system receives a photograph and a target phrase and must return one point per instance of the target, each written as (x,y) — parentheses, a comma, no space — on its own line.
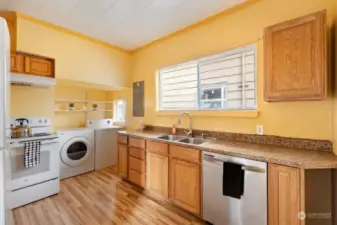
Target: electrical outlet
(259,129)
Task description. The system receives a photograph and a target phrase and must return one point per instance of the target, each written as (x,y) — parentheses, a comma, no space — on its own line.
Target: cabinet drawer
(156,147)
(137,165)
(137,153)
(137,178)
(123,139)
(137,143)
(187,154)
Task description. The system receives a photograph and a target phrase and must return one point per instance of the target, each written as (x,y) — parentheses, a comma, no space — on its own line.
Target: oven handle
(21,144)
(254,169)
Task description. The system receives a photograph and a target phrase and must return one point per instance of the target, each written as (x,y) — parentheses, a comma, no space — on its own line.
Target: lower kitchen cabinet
(123,160)
(157,174)
(283,195)
(137,177)
(185,185)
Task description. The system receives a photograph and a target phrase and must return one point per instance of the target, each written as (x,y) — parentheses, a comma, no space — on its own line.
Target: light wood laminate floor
(100,198)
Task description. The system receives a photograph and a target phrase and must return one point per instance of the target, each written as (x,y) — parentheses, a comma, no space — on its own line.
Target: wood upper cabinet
(185,185)
(39,66)
(123,160)
(295,59)
(32,64)
(157,174)
(17,63)
(283,195)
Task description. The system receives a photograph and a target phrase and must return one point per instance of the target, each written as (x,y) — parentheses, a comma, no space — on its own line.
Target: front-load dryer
(76,152)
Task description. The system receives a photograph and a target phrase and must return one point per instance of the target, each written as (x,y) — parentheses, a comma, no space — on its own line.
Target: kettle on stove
(21,128)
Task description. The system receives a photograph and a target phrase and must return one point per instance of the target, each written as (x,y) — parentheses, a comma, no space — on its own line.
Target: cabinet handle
(246,168)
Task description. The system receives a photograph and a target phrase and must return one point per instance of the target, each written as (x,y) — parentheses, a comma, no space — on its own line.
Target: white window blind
(219,82)
(178,86)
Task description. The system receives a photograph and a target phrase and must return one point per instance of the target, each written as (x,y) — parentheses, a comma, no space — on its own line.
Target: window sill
(234,113)
(119,123)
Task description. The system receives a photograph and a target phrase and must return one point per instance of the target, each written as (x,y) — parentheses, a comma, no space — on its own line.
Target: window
(119,110)
(225,81)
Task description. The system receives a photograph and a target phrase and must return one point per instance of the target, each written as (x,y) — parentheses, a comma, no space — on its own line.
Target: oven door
(76,151)
(47,169)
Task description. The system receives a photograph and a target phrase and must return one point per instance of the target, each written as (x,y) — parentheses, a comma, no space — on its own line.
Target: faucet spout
(189,132)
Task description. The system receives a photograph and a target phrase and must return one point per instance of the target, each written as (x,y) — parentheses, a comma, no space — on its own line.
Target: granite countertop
(300,158)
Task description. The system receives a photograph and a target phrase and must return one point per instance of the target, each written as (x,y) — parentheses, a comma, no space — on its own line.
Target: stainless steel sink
(194,141)
(172,137)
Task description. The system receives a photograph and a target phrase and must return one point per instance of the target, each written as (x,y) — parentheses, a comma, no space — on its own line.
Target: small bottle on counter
(174,129)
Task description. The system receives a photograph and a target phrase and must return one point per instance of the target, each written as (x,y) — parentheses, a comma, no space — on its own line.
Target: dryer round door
(76,151)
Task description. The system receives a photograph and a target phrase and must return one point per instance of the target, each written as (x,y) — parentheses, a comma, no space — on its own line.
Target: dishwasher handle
(210,158)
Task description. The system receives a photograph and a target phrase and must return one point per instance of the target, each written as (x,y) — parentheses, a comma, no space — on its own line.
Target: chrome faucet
(189,133)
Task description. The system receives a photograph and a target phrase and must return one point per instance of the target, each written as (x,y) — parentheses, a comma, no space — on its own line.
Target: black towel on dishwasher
(32,153)
(233,180)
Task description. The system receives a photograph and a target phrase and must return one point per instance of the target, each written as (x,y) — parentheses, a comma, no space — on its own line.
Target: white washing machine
(77,151)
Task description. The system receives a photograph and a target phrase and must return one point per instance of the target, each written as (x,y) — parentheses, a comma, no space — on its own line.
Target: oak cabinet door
(283,195)
(17,63)
(39,66)
(185,190)
(157,174)
(137,177)
(123,161)
(295,59)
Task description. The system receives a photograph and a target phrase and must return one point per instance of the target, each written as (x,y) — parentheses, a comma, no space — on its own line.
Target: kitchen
(279,130)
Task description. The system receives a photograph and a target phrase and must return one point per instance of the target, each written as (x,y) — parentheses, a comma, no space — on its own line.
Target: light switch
(259,129)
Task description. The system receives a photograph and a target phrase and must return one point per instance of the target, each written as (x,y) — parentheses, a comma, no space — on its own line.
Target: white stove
(31,184)
(40,128)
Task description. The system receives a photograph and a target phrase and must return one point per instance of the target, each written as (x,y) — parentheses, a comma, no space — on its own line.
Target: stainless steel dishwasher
(251,209)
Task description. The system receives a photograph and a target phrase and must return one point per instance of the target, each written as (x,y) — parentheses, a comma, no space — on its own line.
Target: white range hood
(30,80)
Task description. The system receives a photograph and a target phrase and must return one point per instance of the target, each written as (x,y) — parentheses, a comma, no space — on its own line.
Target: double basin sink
(183,139)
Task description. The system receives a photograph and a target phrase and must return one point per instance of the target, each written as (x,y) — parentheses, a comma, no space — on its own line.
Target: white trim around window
(221,82)
(119,111)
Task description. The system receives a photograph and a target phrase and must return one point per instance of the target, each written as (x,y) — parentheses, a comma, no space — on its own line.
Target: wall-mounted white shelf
(83,101)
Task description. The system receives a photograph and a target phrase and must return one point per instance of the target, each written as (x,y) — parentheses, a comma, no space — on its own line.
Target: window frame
(115,111)
(238,50)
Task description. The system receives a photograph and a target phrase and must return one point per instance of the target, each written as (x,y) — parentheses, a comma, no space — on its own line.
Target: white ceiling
(128,24)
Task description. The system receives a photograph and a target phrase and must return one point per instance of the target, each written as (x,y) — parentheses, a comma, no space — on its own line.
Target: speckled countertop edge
(298,158)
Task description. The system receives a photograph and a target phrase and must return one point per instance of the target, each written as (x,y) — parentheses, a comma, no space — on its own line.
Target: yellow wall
(76,59)
(82,60)
(237,28)
(32,102)
(77,119)
(81,64)
(39,102)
